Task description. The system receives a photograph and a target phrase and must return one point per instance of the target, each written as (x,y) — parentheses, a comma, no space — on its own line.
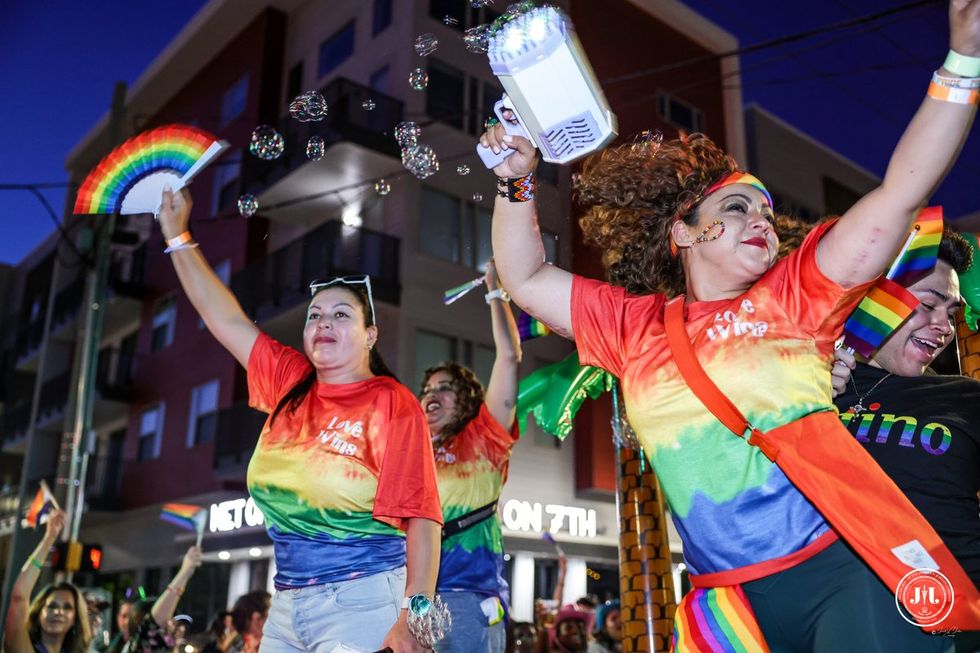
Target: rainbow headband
(726,180)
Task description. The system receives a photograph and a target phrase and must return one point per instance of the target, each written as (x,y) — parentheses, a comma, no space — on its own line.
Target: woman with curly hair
(473,434)
(682,221)
(56,621)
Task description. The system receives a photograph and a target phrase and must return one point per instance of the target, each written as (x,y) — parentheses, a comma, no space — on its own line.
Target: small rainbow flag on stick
(186,516)
(530,327)
(888,303)
(453,294)
(41,507)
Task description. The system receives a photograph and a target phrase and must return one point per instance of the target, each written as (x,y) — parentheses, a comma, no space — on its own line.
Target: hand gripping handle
(491,160)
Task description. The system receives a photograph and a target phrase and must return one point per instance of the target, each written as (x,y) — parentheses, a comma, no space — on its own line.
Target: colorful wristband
(497,293)
(962,65)
(180,241)
(517,189)
(955,95)
(37,563)
(956,82)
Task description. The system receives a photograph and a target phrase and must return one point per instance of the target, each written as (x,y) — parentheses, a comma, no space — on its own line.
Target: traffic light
(76,556)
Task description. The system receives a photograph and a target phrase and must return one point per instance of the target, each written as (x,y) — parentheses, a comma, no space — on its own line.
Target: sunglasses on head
(357,279)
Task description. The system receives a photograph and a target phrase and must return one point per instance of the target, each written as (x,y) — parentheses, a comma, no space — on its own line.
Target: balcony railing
(281,280)
(16,420)
(236,433)
(347,120)
(114,374)
(54,396)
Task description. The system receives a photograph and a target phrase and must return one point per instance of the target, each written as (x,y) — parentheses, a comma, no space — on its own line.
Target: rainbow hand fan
(130,179)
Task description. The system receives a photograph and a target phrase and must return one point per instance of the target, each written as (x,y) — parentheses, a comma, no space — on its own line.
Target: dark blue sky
(853,89)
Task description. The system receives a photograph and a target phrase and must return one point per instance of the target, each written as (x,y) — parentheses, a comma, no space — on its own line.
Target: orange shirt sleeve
(273,368)
(407,484)
(817,304)
(499,438)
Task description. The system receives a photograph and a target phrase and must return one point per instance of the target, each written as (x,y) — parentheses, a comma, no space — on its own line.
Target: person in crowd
(343,471)
(608,635)
(682,221)
(571,634)
(221,633)
(473,433)
(100,636)
(522,637)
(248,617)
(923,428)
(56,621)
(150,625)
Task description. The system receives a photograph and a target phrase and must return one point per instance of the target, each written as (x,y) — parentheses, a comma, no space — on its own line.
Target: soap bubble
(476,4)
(267,143)
(477,39)
(462,170)
(308,107)
(418,79)
(420,160)
(315,148)
(449,20)
(407,133)
(368,105)
(247,205)
(426,44)
(382,187)
(648,141)
(477,197)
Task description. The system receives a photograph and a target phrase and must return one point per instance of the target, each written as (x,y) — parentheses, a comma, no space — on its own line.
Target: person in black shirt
(921,427)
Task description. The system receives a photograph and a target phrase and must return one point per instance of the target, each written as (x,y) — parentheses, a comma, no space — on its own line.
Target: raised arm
(165,606)
(865,240)
(422,546)
(17,625)
(214,302)
(502,388)
(544,291)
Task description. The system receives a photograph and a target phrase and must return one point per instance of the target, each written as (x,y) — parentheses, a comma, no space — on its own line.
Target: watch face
(419,604)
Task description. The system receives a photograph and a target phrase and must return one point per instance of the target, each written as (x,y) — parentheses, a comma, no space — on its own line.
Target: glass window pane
(234,100)
(444,94)
(336,49)
(207,398)
(483,356)
(431,349)
(550,242)
(148,421)
(382,16)
(380,81)
(484,248)
(439,226)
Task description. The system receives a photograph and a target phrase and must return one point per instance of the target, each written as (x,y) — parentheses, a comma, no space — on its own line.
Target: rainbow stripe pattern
(739,178)
(716,620)
(185,515)
(919,258)
(882,311)
(179,150)
(530,327)
(41,507)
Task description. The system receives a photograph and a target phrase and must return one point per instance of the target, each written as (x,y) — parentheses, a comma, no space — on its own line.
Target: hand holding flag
(41,507)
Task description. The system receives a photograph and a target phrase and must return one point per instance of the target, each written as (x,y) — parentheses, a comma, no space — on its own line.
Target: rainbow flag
(530,327)
(41,507)
(185,515)
(919,258)
(716,620)
(881,311)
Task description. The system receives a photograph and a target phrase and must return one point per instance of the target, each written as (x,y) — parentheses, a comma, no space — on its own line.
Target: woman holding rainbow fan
(682,221)
(343,470)
(473,434)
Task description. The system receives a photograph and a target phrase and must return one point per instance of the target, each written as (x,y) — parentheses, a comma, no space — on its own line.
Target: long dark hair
(79,635)
(292,399)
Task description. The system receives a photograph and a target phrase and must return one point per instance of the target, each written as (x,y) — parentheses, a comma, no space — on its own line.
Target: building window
(336,49)
(164,318)
(225,186)
(444,99)
(223,272)
(454,230)
(234,100)
(382,16)
(294,82)
(432,348)
(379,80)
(550,242)
(151,432)
(680,113)
(204,414)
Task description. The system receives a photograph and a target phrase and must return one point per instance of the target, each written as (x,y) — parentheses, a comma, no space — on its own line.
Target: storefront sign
(531,517)
(234,514)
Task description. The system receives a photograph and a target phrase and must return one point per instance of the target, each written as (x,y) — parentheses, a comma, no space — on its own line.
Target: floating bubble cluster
(449,20)
(477,197)
(308,107)
(407,134)
(368,105)
(462,170)
(420,160)
(267,143)
(247,205)
(648,140)
(315,148)
(477,39)
(426,44)
(382,187)
(418,79)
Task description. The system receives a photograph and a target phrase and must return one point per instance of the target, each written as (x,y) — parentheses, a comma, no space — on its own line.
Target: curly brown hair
(633,193)
(469,394)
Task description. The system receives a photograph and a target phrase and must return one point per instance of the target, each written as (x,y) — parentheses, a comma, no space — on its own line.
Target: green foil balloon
(970,284)
(553,394)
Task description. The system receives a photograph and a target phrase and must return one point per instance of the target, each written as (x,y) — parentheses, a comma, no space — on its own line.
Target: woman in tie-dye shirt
(473,433)
(343,471)
(679,218)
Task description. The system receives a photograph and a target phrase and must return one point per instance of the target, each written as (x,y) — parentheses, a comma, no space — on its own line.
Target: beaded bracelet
(517,189)
(962,65)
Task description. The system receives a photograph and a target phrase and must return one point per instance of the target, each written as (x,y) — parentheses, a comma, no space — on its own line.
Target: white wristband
(497,293)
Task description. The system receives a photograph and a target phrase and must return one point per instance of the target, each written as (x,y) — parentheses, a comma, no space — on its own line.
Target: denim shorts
(357,613)
(470,632)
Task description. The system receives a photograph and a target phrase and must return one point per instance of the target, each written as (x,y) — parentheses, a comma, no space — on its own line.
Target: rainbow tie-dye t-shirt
(337,479)
(471,471)
(770,351)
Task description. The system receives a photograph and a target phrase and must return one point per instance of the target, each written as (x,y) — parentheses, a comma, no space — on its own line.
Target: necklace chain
(858,406)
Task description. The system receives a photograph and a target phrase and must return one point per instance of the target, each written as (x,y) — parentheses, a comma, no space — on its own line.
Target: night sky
(853,89)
